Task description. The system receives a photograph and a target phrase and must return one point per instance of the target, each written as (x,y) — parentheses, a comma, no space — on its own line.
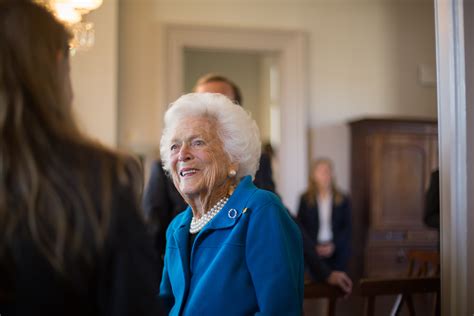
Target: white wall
(243,68)
(240,67)
(94,77)
(368,67)
(363,61)
(141,82)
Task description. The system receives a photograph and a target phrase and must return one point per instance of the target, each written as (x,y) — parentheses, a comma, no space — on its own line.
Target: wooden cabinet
(391,163)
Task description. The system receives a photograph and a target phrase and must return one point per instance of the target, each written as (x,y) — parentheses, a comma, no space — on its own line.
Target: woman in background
(325,216)
(72,241)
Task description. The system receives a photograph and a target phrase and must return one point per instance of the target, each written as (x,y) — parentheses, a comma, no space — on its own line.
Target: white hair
(235,127)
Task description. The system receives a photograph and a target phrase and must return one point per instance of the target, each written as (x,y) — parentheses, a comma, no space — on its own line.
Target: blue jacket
(247,261)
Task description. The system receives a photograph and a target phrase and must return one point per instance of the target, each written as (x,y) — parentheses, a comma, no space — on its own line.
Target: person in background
(431,212)
(324,215)
(72,238)
(319,271)
(161,200)
(235,250)
(215,83)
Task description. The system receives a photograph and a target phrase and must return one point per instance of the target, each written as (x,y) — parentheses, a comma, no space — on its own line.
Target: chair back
(324,290)
(406,287)
(422,277)
(423,263)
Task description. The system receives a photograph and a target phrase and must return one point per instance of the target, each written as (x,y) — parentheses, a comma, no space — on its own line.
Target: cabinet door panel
(400,168)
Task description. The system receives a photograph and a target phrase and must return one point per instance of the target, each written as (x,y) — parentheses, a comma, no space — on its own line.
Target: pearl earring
(232,173)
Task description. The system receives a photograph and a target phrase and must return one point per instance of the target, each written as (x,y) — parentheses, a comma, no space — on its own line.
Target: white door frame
(455,50)
(290,47)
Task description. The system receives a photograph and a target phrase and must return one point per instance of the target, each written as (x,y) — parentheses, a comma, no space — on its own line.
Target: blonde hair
(312,192)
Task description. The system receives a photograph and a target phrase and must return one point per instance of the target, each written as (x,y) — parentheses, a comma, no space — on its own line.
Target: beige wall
(363,61)
(243,68)
(94,77)
(368,67)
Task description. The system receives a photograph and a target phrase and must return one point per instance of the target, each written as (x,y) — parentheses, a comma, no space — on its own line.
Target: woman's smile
(187,172)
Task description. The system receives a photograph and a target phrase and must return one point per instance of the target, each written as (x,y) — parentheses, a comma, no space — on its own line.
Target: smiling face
(199,164)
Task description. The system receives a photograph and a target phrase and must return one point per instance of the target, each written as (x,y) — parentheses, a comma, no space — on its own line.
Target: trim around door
(290,47)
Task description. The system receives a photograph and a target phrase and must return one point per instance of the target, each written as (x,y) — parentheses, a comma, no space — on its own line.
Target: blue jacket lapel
(233,209)
(181,237)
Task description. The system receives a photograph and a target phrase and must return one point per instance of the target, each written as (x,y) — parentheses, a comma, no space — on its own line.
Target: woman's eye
(174,147)
(198,142)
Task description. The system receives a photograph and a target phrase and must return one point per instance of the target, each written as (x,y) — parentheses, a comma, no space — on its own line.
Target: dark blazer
(431,212)
(315,265)
(308,217)
(161,203)
(122,279)
(264,175)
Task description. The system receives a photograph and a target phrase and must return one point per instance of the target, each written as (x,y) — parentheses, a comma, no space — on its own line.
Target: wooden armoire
(391,163)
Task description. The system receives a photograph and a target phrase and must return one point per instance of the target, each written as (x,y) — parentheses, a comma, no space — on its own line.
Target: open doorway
(256,74)
(280,56)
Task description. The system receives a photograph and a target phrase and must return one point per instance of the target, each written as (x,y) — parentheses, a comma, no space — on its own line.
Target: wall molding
(291,49)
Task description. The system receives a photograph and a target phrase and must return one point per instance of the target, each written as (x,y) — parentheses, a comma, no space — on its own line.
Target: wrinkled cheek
(216,173)
(174,172)
(175,178)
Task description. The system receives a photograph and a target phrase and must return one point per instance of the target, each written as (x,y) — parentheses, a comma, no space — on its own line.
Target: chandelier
(71,12)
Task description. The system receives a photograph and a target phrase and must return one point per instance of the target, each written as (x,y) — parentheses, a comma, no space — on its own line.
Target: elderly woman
(234,250)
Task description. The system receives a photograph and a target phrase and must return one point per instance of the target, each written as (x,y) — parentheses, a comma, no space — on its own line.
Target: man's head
(219,84)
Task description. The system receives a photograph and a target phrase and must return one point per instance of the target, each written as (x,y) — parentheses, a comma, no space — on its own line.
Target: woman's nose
(184,153)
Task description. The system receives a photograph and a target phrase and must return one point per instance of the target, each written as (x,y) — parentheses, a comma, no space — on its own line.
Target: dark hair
(218,78)
(49,171)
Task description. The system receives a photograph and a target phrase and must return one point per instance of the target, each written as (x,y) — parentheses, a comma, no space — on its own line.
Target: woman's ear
(233,169)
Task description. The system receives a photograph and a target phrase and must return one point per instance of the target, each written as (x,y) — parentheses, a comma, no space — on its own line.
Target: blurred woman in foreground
(72,241)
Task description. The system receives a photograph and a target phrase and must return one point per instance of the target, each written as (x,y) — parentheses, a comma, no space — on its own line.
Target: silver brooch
(232,213)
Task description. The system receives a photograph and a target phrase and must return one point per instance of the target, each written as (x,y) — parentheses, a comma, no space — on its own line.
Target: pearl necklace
(198,224)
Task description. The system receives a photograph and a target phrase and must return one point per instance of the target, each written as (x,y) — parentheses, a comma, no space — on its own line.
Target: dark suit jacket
(122,279)
(431,212)
(315,265)
(308,216)
(264,175)
(161,203)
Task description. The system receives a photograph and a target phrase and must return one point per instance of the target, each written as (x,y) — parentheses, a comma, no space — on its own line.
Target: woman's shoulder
(262,196)
(101,160)
(341,199)
(266,202)
(181,219)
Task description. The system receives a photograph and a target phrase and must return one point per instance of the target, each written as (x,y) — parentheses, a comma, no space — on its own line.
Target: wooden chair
(324,290)
(371,288)
(423,269)
(423,263)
